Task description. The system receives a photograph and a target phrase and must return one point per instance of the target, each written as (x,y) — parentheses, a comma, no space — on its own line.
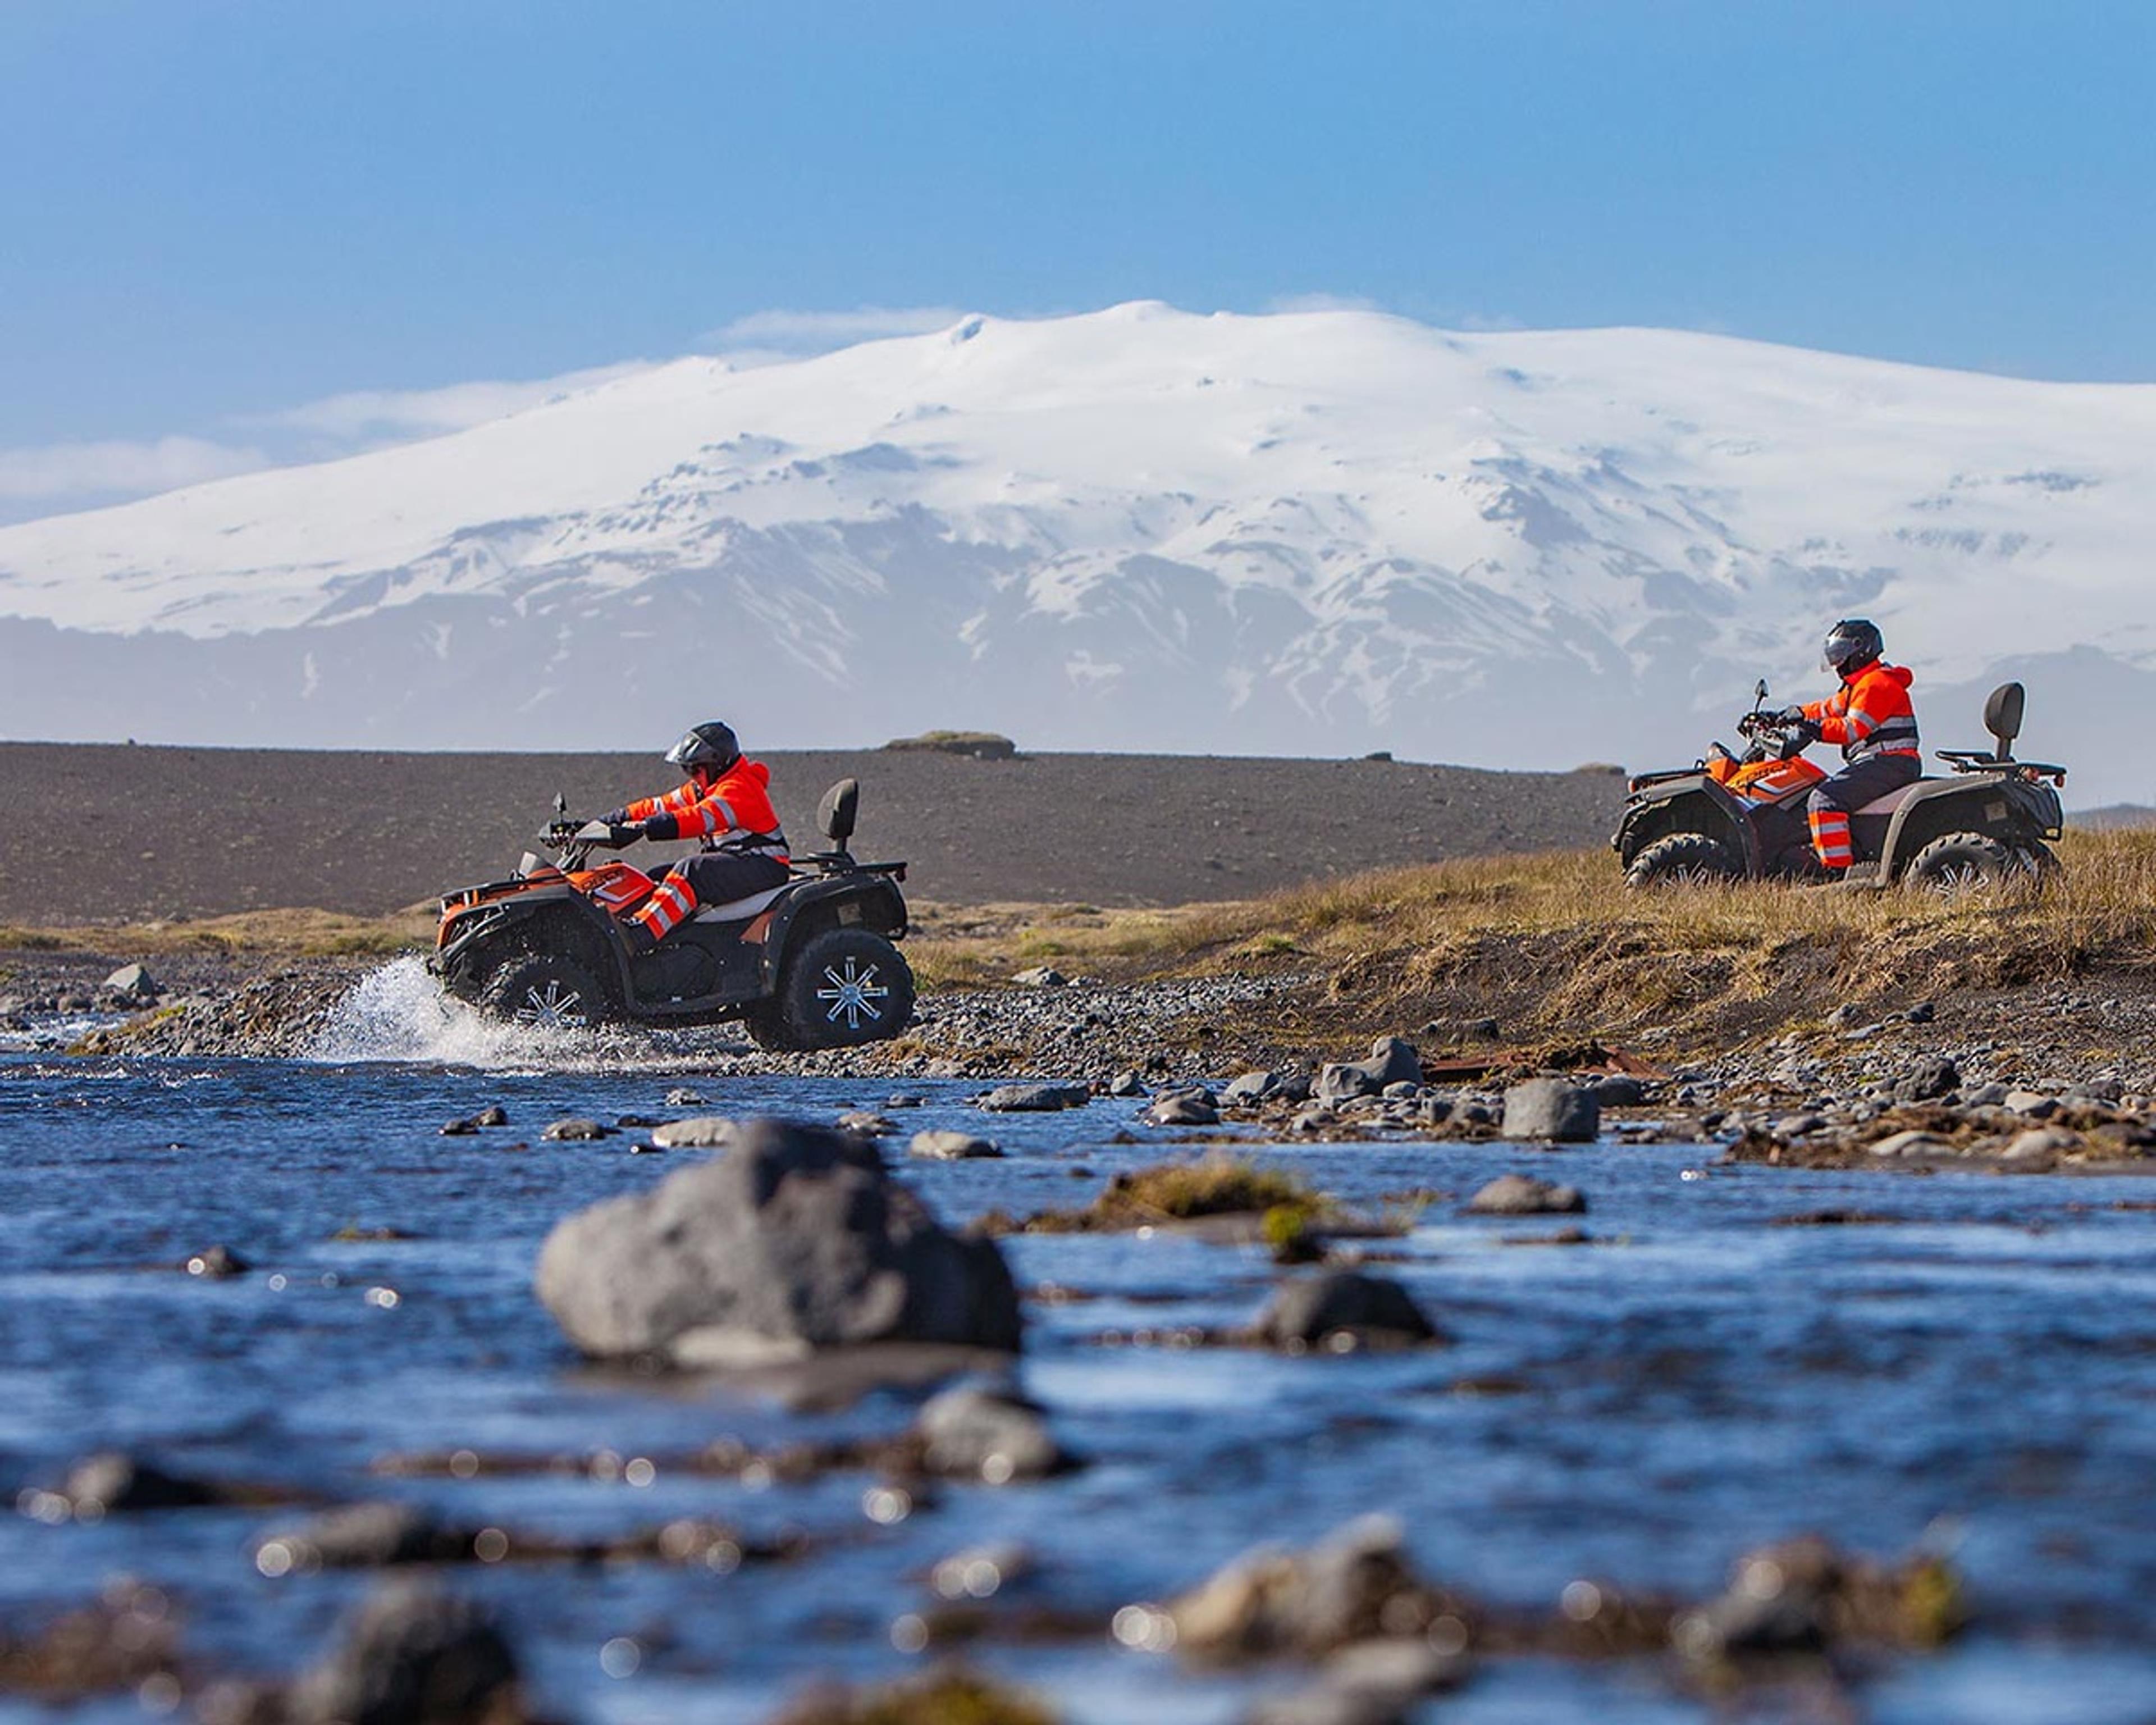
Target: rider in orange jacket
(725,804)
(1870,717)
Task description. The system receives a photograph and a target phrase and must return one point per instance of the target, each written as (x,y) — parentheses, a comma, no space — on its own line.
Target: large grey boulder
(795,1238)
(1551,1109)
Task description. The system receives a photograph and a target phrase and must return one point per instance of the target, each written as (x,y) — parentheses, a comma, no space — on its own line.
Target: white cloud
(396,415)
(67,471)
(816,331)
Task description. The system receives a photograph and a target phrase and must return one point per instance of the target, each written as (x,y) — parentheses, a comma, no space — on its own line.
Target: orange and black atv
(809,964)
(1729,818)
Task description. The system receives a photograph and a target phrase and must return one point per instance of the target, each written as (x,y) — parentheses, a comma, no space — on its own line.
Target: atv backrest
(835,814)
(2002,717)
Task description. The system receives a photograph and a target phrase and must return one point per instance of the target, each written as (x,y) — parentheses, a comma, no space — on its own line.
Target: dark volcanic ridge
(117,832)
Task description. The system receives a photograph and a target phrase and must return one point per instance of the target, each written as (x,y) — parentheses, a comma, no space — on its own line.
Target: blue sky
(216,213)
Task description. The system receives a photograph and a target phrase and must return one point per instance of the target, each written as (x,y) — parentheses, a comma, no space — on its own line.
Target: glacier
(1302,533)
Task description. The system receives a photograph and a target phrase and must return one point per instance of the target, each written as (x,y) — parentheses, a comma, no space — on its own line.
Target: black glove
(661,827)
(615,818)
(1792,716)
(618,835)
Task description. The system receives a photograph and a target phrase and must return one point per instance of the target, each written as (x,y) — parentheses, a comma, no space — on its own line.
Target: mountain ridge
(1302,533)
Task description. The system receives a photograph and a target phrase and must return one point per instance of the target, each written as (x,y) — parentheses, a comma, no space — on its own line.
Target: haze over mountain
(1141,529)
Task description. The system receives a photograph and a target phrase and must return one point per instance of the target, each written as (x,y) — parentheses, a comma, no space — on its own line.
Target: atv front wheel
(1960,864)
(545,990)
(842,987)
(1683,859)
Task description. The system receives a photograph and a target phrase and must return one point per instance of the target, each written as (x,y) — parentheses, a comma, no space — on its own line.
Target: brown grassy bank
(1551,945)
(1555,946)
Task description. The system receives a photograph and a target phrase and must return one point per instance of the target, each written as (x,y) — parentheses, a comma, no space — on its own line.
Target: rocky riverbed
(2028,1080)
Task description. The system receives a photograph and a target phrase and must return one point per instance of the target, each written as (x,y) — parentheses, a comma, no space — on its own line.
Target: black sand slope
(96,832)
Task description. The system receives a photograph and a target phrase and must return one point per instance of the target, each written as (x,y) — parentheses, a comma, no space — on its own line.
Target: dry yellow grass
(1557,943)
(289,933)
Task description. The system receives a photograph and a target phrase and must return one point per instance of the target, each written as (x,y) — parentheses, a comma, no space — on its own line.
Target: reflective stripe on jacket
(1870,715)
(734,815)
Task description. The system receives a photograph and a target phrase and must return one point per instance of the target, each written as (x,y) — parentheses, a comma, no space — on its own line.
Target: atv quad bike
(1727,818)
(809,964)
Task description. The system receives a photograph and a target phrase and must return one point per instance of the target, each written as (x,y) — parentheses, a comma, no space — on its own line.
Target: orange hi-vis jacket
(734,815)
(1870,715)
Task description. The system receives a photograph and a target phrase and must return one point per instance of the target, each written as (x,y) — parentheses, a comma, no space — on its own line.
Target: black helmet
(1851,644)
(711,746)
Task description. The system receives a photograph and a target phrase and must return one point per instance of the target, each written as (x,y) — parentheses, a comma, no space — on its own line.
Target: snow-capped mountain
(1307,533)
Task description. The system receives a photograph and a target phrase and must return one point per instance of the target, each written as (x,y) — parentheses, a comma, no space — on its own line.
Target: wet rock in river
(684,1097)
(867,1123)
(362,1536)
(1355,1585)
(413,1655)
(1343,1309)
(707,1131)
(575,1130)
(1913,1143)
(1551,1109)
(1126,1083)
(1247,1088)
(1803,1595)
(1523,1195)
(492,1115)
(1035,1098)
(217,1263)
(975,1431)
(1391,1061)
(796,1238)
(946,1695)
(128,1636)
(1190,1105)
(1619,1090)
(113,1482)
(2040,1146)
(946,1146)
(1378,1682)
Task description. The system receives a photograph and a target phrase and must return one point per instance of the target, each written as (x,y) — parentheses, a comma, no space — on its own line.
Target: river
(1976,1372)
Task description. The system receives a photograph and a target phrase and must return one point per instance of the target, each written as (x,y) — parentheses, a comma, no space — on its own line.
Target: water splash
(398,1011)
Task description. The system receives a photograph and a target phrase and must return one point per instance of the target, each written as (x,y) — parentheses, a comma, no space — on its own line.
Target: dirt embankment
(99,832)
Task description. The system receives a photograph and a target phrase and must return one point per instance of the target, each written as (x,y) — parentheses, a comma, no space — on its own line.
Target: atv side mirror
(1759,693)
(561,803)
(2002,717)
(835,814)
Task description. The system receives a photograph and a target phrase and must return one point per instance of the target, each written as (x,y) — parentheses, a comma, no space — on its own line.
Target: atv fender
(581,925)
(1691,802)
(863,900)
(1995,805)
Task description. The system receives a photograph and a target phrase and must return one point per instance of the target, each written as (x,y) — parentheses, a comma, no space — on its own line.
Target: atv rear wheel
(1960,864)
(841,988)
(1684,859)
(545,990)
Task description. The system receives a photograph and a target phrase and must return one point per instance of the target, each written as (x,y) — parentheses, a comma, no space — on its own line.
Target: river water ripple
(1978,1373)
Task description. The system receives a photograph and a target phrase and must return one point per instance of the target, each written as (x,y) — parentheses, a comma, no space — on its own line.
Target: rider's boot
(638,938)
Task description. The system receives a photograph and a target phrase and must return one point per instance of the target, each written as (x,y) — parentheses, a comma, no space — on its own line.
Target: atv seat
(740,910)
(1893,799)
